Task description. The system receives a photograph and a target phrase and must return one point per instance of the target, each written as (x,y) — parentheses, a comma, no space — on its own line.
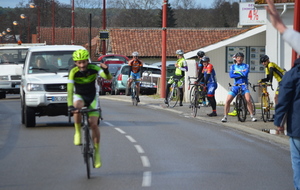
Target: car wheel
(29,117)
(2,95)
(117,92)
(112,92)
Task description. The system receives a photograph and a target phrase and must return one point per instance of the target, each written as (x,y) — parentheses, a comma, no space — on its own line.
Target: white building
(263,39)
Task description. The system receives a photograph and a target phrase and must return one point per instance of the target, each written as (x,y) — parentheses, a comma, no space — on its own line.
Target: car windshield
(56,61)
(13,56)
(113,68)
(152,70)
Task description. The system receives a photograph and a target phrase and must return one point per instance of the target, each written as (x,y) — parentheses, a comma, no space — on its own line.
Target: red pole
(53,23)
(39,24)
(73,23)
(104,27)
(164,50)
(296,25)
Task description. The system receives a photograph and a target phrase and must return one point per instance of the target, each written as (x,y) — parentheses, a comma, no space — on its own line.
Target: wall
(218,59)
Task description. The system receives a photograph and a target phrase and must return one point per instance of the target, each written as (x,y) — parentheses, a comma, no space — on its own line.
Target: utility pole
(164,50)
(104,28)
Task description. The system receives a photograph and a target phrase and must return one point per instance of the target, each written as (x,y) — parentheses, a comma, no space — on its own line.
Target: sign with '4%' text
(249,15)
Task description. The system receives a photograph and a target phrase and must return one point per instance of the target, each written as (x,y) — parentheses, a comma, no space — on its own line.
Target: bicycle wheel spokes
(192,93)
(241,108)
(265,107)
(173,99)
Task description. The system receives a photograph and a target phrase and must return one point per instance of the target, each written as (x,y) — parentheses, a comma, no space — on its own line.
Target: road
(141,148)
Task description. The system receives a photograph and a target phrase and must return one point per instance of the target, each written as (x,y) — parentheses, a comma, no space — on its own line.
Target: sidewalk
(248,126)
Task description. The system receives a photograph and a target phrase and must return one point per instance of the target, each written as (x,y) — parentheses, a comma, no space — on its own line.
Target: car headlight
(4,77)
(35,87)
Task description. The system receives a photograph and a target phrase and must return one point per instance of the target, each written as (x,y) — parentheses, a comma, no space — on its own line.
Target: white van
(12,58)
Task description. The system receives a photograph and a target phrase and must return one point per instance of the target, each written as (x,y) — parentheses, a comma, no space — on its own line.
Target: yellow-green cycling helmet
(81,54)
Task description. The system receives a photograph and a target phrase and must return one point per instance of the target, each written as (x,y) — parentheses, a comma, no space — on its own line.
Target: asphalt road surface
(141,148)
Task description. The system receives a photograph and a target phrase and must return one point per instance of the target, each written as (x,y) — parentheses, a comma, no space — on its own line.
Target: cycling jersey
(179,71)
(135,65)
(209,70)
(84,82)
(239,72)
(273,70)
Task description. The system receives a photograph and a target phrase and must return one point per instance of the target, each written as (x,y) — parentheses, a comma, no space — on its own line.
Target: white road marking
(120,130)
(139,149)
(146,179)
(130,139)
(109,124)
(145,161)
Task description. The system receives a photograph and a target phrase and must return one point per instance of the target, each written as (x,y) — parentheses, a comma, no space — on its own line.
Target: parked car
(149,78)
(104,84)
(170,68)
(113,57)
(119,81)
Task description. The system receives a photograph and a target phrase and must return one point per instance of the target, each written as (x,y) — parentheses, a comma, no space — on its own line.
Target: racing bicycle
(174,93)
(240,104)
(197,94)
(87,146)
(265,104)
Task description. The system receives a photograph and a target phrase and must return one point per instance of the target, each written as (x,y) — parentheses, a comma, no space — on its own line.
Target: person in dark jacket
(288,110)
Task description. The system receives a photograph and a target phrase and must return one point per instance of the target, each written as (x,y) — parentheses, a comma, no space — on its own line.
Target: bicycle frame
(174,93)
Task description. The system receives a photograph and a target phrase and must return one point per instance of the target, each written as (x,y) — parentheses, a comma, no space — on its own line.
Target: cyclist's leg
(211,98)
(128,88)
(249,105)
(78,103)
(180,85)
(138,79)
(93,121)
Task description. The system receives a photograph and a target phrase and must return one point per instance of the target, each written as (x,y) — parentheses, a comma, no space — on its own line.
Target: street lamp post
(32,5)
(23,16)
(53,22)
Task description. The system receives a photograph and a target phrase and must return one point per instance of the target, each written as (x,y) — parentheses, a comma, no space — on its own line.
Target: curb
(280,139)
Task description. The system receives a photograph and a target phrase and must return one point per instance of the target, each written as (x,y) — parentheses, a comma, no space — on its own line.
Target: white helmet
(135,54)
(179,52)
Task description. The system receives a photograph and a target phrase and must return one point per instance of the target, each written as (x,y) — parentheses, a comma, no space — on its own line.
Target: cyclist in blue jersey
(239,72)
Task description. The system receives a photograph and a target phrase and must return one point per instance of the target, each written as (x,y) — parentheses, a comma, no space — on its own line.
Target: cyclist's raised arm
(104,72)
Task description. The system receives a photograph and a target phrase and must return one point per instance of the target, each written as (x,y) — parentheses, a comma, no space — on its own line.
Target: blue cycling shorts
(235,90)
(136,76)
(211,88)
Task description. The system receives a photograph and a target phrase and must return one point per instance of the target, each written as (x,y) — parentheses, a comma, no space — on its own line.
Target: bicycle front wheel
(265,107)
(133,96)
(195,103)
(241,108)
(192,93)
(86,153)
(173,97)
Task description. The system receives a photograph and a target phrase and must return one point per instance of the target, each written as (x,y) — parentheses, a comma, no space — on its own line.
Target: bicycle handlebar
(262,85)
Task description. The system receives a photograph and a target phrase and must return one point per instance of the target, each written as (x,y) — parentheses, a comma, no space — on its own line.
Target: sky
(13,3)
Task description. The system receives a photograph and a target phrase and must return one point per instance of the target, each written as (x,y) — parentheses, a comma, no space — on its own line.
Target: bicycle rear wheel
(133,96)
(86,152)
(173,97)
(241,108)
(265,107)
